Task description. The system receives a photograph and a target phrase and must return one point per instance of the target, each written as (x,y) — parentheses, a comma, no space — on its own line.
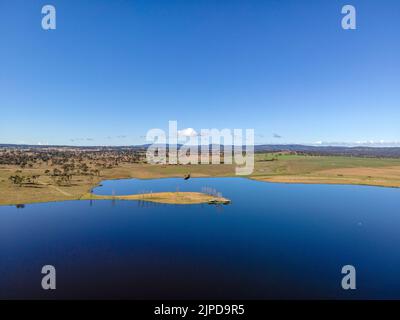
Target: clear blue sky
(114,69)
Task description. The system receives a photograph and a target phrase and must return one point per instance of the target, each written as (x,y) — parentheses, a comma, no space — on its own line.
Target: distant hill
(333,150)
(385,152)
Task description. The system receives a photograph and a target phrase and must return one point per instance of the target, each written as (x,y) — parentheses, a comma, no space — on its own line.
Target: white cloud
(188,132)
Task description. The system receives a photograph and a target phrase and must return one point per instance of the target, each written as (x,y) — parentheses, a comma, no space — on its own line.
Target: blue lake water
(272,241)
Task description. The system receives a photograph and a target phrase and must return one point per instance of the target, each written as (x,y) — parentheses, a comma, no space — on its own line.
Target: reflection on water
(272,241)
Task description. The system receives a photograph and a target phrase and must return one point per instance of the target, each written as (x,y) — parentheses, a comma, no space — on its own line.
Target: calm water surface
(273,241)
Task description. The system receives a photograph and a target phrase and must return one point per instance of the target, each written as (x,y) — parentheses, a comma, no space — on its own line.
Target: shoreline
(322,181)
(275,179)
(289,169)
(198,197)
(178,198)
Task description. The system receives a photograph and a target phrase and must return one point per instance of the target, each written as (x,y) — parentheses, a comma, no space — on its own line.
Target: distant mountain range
(392,152)
(333,150)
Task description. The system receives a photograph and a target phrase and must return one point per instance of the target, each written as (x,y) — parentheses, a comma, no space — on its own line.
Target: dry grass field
(45,189)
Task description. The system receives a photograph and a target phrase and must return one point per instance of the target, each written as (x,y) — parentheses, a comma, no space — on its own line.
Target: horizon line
(343,145)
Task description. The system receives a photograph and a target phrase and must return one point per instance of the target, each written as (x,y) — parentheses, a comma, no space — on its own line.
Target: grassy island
(164,197)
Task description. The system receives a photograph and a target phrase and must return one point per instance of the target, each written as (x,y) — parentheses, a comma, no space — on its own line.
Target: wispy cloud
(80,139)
(116,137)
(360,143)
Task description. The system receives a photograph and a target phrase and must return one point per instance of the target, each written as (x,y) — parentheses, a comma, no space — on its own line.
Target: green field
(327,169)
